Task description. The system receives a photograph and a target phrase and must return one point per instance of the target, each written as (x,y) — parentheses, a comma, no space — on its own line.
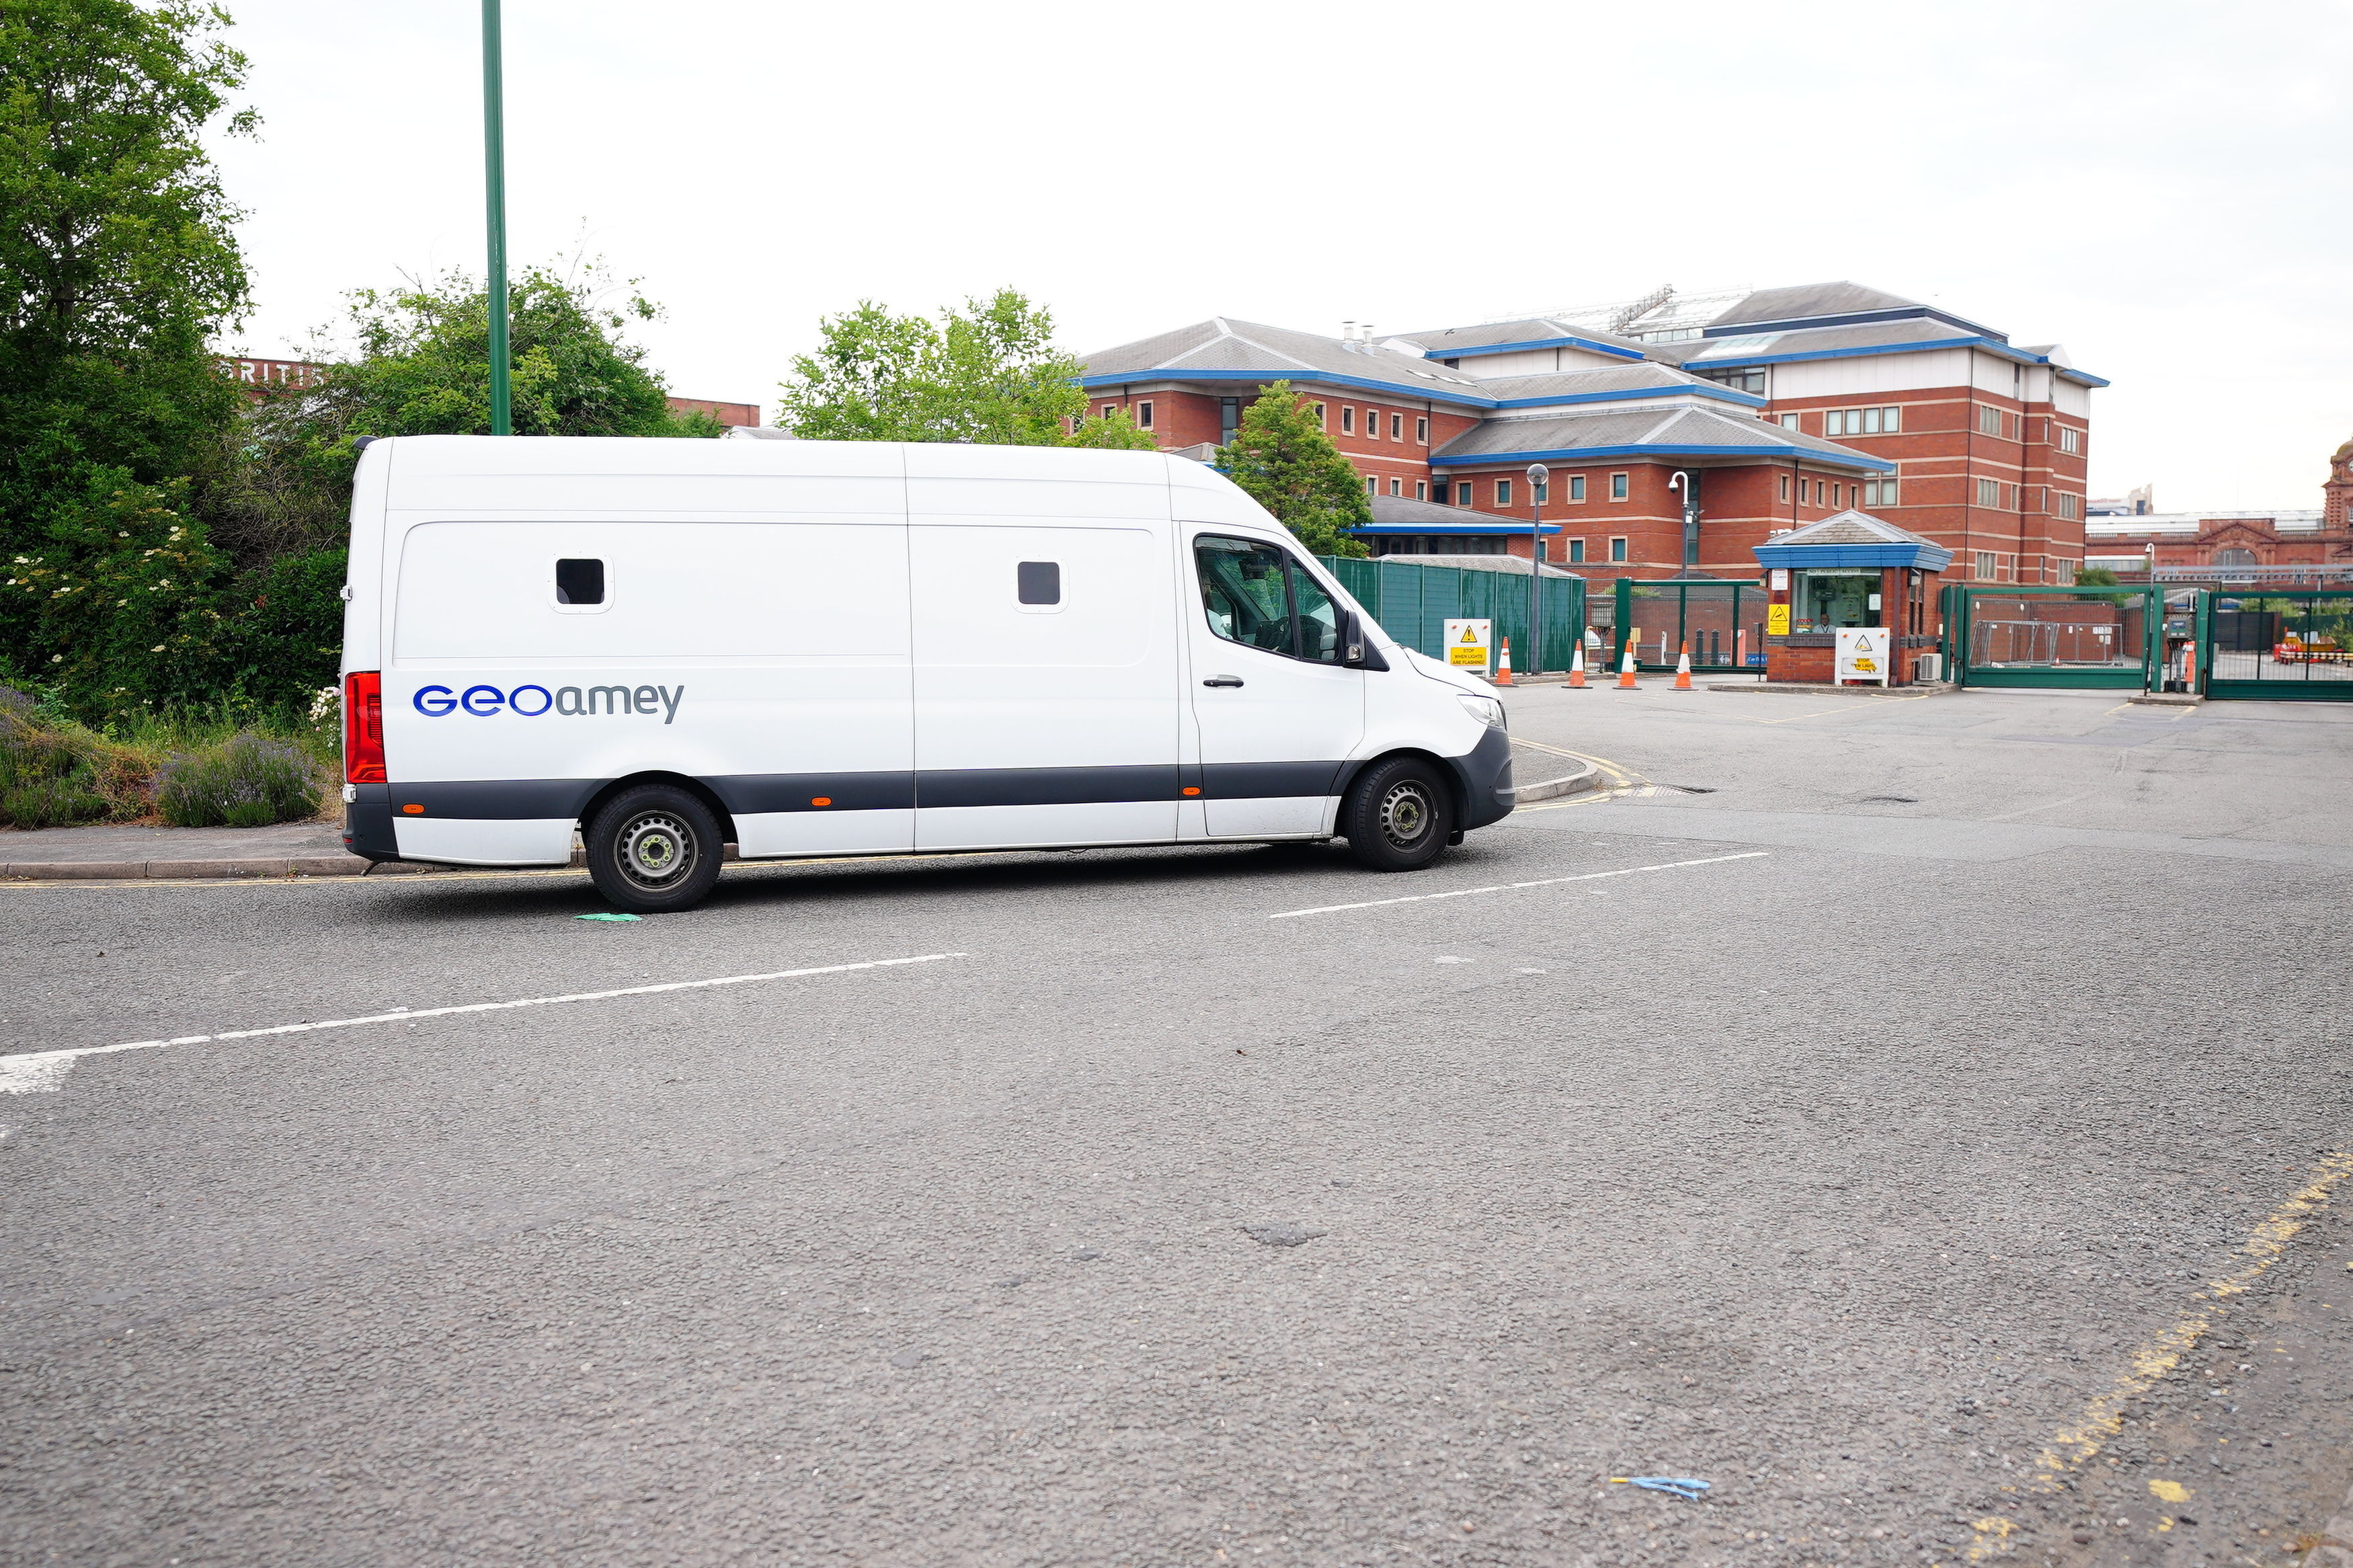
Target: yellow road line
(2103,1416)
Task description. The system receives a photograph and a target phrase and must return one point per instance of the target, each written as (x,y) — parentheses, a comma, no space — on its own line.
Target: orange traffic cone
(1503,667)
(1577,669)
(1682,668)
(1626,671)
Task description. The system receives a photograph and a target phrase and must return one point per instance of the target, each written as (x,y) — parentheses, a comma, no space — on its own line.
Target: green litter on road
(604,917)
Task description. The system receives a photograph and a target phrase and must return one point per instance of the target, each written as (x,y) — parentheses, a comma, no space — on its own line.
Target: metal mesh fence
(1413,605)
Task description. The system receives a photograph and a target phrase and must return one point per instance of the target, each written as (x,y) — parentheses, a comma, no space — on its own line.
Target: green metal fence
(2096,638)
(1413,605)
(2272,647)
(1722,619)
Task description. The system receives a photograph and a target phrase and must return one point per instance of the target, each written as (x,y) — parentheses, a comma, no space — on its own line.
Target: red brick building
(2285,547)
(1782,407)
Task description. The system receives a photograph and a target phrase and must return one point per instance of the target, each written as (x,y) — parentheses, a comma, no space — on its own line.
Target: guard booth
(1852,571)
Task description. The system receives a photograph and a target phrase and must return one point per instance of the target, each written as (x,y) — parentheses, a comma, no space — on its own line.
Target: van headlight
(1488,710)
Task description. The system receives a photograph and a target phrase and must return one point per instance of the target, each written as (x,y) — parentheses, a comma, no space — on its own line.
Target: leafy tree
(416,362)
(2095,577)
(118,262)
(989,374)
(1282,456)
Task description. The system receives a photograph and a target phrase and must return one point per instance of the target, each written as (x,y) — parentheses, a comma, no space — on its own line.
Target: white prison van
(833,648)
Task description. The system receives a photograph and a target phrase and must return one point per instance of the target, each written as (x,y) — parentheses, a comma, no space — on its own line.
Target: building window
(2071,440)
(1817,492)
(1321,423)
(1862,421)
(1988,419)
(1576,552)
(1396,427)
(1984,573)
(1462,492)
(1576,487)
(1421,430)
(1397,487)
(1879,492)
(1617,487)
(1543,491)
(2066,573)
(1503,492)
(1789,422)
(1616,553)
(1144,415)
(1372,486)
(1838,494)
(1785,487)
(1422,490)
(1230,419)
(1989,493)
(1109,409)
(1746,380)
(1347,421)
(2071,507)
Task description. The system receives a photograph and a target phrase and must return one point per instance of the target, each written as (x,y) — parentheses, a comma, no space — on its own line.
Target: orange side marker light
(822,800)
(1192,789)
(414,810)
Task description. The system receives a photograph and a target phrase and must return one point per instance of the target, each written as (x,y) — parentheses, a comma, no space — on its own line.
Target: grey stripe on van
(746,795)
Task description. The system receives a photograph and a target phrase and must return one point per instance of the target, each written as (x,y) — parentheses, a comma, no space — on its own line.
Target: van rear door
(1279,715)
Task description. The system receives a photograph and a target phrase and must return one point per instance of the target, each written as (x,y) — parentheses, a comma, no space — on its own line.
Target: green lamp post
(494,193)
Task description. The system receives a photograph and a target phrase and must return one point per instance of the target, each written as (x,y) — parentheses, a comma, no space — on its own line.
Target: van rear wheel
(1397,815)
(654,851)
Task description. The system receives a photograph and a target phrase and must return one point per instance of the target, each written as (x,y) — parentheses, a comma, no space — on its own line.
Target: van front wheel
(654,851)
(1397,815)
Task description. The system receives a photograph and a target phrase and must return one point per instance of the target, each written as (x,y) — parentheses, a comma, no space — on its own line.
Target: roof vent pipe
(1366,328)
(1347,334)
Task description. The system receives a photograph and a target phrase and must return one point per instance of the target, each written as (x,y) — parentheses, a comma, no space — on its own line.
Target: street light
(494,196)
(1539,475)
(1681,481)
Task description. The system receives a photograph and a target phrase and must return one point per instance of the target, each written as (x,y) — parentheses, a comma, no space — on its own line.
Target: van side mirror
(1355,651)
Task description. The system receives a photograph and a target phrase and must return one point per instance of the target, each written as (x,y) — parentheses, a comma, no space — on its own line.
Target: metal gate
(1723,617)
(2101,639)
(2272,647)
(1412,604)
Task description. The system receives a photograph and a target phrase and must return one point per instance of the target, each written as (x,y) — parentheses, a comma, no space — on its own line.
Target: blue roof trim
(1927,557)
(1266,378)
(1776,455)
(1851,319)
(1744,399)
(1636,355)
(1461,528)
(1991,345)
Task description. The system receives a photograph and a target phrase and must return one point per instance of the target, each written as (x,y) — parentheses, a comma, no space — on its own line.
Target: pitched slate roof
(1608,381)
(1224,348)
(1444,342)
(1748,346)
(1850,527)
(1646,432)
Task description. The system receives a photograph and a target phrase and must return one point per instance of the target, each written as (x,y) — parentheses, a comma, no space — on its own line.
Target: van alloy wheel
(654,849)
(1398,814)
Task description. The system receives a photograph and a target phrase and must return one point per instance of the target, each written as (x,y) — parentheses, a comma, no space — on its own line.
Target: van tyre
(1397,815)
(654,849)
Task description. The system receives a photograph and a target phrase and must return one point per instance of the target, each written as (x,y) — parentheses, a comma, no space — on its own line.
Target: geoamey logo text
(532,701)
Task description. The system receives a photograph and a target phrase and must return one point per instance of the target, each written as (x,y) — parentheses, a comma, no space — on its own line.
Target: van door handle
(1223,680)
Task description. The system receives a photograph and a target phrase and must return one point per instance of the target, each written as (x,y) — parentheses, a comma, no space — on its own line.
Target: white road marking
(35,1072)
(1499,887)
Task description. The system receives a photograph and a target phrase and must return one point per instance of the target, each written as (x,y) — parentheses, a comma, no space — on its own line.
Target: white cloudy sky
(2160,186)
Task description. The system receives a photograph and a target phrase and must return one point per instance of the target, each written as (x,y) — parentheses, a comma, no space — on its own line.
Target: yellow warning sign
(1468,644)
(1776,620)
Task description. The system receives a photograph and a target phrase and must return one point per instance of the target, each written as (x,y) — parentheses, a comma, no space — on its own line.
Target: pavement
(1921,1120)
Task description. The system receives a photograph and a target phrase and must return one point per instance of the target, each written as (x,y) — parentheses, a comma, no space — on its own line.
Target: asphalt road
(1852,1155)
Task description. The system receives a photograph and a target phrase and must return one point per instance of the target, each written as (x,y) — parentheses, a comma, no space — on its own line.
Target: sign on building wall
(1468,644)
(1776,620)
(1865,654)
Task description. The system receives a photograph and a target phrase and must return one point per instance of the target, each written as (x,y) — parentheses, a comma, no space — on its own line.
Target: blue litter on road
(1680,1485)
(604,917)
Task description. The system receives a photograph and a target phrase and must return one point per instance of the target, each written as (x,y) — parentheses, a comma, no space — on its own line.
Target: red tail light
(363,727)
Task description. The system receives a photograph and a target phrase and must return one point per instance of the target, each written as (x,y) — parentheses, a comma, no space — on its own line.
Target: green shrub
(245,782)
(55,776)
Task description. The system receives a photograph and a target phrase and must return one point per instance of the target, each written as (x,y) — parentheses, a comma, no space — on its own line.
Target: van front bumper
(1483,777)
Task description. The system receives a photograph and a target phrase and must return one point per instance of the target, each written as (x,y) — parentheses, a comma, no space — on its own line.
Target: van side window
(1259,596)
(1039,581)
(579,582)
